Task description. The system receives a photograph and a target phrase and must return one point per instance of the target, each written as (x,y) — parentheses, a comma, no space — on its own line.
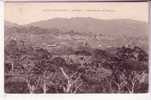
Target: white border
(1,46)
(149,20)
(4,96)
(73,0)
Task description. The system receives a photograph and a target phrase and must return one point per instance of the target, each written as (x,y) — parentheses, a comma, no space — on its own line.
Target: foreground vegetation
(31,69)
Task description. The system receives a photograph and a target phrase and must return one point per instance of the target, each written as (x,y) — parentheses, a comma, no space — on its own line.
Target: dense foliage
(36,70)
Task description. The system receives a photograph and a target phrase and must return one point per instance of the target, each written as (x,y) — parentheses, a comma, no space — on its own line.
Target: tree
(71,78)
(73,81)
(12,53)
(46,73)
(43,68)
(28,65)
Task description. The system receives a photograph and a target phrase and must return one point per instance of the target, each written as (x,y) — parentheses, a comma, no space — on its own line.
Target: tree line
(31,69)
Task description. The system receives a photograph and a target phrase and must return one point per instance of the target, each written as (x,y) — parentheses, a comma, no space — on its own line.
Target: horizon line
(73,18)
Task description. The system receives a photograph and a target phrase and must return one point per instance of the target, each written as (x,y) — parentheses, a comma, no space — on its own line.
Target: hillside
(76,31)
(96,26)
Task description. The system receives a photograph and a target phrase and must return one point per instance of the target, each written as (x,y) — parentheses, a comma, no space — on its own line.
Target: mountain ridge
(93,25)
(94,31)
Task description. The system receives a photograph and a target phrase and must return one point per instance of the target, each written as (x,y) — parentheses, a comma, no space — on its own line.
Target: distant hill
(10,24)
(73,32)
(96,26)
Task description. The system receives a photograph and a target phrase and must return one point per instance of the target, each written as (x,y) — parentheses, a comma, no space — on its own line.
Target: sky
(25,13)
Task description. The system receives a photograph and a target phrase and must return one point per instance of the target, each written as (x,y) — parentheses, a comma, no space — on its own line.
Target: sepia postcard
(99,47)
